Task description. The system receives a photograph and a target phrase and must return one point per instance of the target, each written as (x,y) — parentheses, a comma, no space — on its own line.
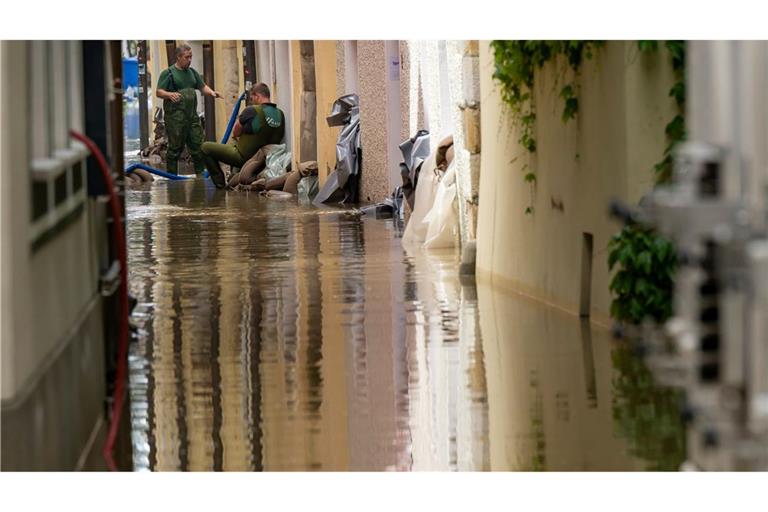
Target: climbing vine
(646,261)
(675,129)
(515,65)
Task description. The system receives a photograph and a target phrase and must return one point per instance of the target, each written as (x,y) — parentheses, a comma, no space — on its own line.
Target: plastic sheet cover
(342,184)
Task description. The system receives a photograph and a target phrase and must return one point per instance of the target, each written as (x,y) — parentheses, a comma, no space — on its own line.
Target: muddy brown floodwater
(277,336)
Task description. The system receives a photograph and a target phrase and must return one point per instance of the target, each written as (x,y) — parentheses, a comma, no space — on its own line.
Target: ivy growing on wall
(646,261)
(515,66)
(642,286)
(675,129)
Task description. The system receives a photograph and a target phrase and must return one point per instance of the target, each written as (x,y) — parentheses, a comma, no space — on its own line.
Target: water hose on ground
(152,170)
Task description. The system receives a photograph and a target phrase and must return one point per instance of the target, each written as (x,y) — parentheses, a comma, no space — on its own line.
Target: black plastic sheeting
(342,184)
(388,208)
(415,150)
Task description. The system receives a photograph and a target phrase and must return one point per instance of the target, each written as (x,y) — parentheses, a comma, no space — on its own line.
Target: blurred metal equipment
(716,212)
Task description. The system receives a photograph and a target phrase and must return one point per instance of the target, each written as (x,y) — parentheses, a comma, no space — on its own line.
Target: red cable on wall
(118,240)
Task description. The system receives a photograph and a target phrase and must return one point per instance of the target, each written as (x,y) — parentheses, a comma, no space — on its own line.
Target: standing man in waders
(176,87)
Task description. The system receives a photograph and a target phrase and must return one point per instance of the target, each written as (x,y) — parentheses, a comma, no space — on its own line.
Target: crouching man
(258,125)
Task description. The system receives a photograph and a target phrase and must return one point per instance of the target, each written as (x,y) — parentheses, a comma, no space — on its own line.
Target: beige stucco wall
(372,74)
(608,151)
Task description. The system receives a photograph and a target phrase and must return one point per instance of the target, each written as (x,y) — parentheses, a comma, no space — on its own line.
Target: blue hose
(154,171)
(232,118)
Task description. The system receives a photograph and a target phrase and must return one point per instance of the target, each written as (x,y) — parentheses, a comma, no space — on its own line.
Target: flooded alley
(278,336)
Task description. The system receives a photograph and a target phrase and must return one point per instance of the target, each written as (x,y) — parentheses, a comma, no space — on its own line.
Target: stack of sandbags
(288,182)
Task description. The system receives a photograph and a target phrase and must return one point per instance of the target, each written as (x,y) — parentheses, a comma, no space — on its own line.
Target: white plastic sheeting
(416,231)
(434,223)
(442,221)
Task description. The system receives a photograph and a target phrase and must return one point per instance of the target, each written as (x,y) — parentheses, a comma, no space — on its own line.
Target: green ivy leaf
(571,107)
(675,130)
(648,46)
(644,262)
(678,93)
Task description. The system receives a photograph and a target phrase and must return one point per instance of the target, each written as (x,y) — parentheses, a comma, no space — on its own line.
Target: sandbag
(142,175)
(444,155)
(277,194)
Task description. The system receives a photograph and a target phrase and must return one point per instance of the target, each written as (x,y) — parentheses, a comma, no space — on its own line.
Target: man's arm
(243,121)
(207,91)
(162,92)
(165,95)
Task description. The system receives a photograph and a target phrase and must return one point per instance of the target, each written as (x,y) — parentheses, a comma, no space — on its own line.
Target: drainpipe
(249,67)
(210,107)
(143,99)
(116,108)
(170,49)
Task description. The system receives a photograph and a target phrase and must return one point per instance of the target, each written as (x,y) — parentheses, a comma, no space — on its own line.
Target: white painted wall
(281,94)
(351,81)
(44,292)
(263,63)
(197,64)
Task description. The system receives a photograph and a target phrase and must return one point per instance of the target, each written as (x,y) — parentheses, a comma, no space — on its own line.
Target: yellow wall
(608,151)
(227,80)
(325,80)
(296,111)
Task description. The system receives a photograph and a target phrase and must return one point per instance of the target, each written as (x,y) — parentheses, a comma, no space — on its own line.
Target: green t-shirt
(271,120)
(262,124)
(174,79)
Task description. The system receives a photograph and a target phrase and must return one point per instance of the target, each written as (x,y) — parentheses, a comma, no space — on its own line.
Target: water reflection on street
(276,336)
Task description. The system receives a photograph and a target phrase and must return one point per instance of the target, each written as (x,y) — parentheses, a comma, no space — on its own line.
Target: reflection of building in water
(229,289)
(278,341)
(548,407)
(165,429)
(448,410)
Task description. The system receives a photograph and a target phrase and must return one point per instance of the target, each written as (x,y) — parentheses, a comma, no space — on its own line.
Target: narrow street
(276,336)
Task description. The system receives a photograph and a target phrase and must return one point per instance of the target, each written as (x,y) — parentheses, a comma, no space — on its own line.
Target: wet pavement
(276,336)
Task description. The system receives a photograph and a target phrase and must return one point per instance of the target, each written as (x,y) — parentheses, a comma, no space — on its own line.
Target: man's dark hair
(261,89)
